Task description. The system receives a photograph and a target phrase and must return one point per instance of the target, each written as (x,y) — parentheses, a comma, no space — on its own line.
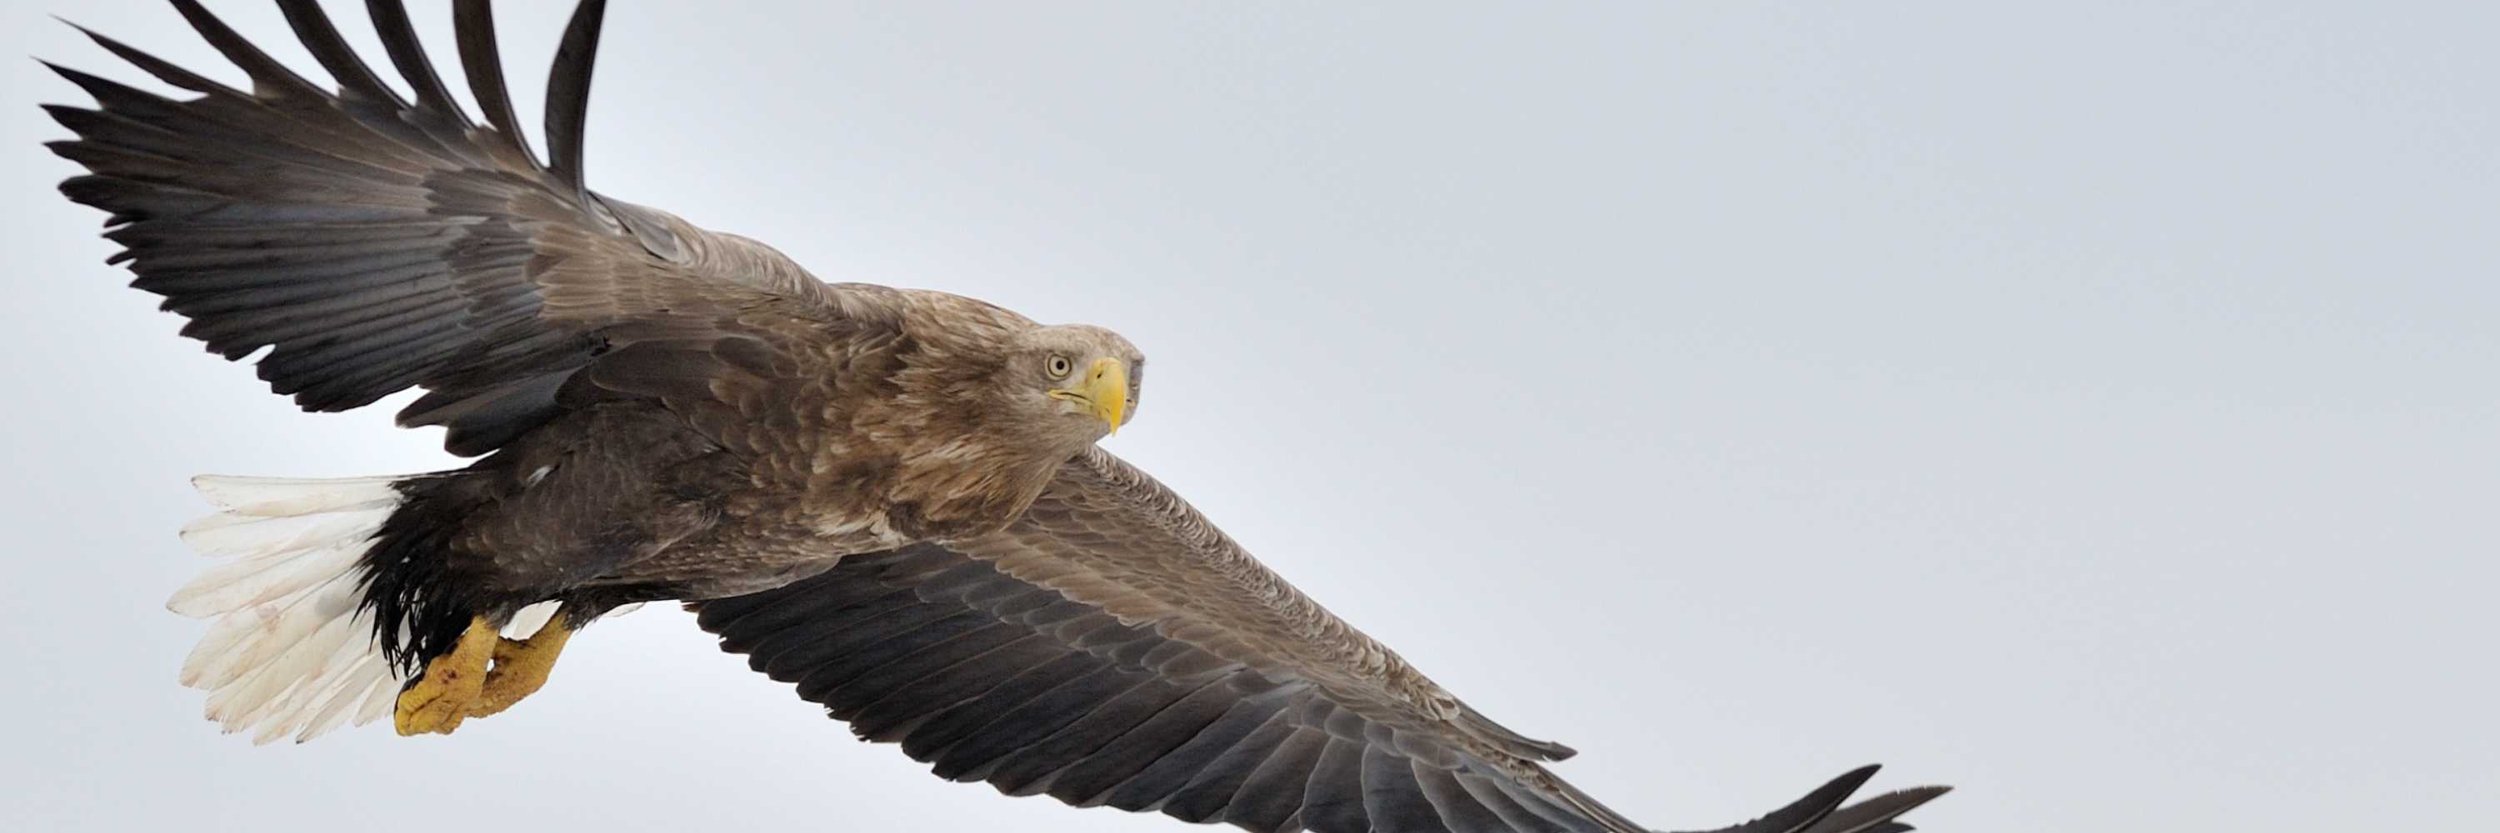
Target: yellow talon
(521,667)
(452,685)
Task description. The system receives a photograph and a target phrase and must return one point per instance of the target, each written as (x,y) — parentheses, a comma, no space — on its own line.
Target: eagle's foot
(452,685)
(521,667)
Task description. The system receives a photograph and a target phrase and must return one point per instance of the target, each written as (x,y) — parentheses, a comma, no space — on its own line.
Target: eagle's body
(885,438)
(890,498)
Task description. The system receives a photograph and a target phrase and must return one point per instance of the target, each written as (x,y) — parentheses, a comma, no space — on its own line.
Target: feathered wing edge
(1110,535)
(368,243)
(989,677)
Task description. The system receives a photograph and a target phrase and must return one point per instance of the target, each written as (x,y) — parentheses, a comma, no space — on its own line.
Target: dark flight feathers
(988,678)
(373,244)
(1025,659)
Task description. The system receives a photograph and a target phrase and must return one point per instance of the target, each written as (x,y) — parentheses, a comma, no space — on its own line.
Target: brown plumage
(888,497)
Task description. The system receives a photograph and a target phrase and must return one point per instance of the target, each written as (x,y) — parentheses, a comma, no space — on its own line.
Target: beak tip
(1107,384)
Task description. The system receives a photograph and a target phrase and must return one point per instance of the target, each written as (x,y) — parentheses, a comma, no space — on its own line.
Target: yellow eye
(1059,367)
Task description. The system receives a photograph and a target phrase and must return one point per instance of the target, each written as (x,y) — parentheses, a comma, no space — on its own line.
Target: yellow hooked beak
(1104,389)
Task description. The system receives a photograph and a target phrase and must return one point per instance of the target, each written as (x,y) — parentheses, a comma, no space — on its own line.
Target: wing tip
(100,38)
(1821,810)
(1881,813)
(568,93)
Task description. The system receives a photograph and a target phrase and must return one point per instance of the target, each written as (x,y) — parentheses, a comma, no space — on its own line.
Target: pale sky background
(2098,410)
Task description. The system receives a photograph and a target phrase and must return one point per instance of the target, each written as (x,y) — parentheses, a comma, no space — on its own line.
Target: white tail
(292,649)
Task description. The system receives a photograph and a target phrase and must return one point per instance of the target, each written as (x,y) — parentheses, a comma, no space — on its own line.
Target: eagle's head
(1073,383)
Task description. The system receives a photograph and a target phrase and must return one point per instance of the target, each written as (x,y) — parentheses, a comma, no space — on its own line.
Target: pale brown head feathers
(1069,384)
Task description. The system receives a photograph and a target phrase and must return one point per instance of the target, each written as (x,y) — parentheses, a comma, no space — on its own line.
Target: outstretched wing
(1114,648)
(372,243)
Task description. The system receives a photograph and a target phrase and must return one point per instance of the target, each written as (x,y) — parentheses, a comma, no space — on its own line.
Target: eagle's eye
(1060,366)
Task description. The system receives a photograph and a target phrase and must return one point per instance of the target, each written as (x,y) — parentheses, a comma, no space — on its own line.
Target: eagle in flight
(890,498)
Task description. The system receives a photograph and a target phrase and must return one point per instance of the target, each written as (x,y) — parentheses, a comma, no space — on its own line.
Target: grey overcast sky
(2094,408)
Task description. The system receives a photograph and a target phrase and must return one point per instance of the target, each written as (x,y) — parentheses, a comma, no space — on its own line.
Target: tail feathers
(284,497)
(291,648)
